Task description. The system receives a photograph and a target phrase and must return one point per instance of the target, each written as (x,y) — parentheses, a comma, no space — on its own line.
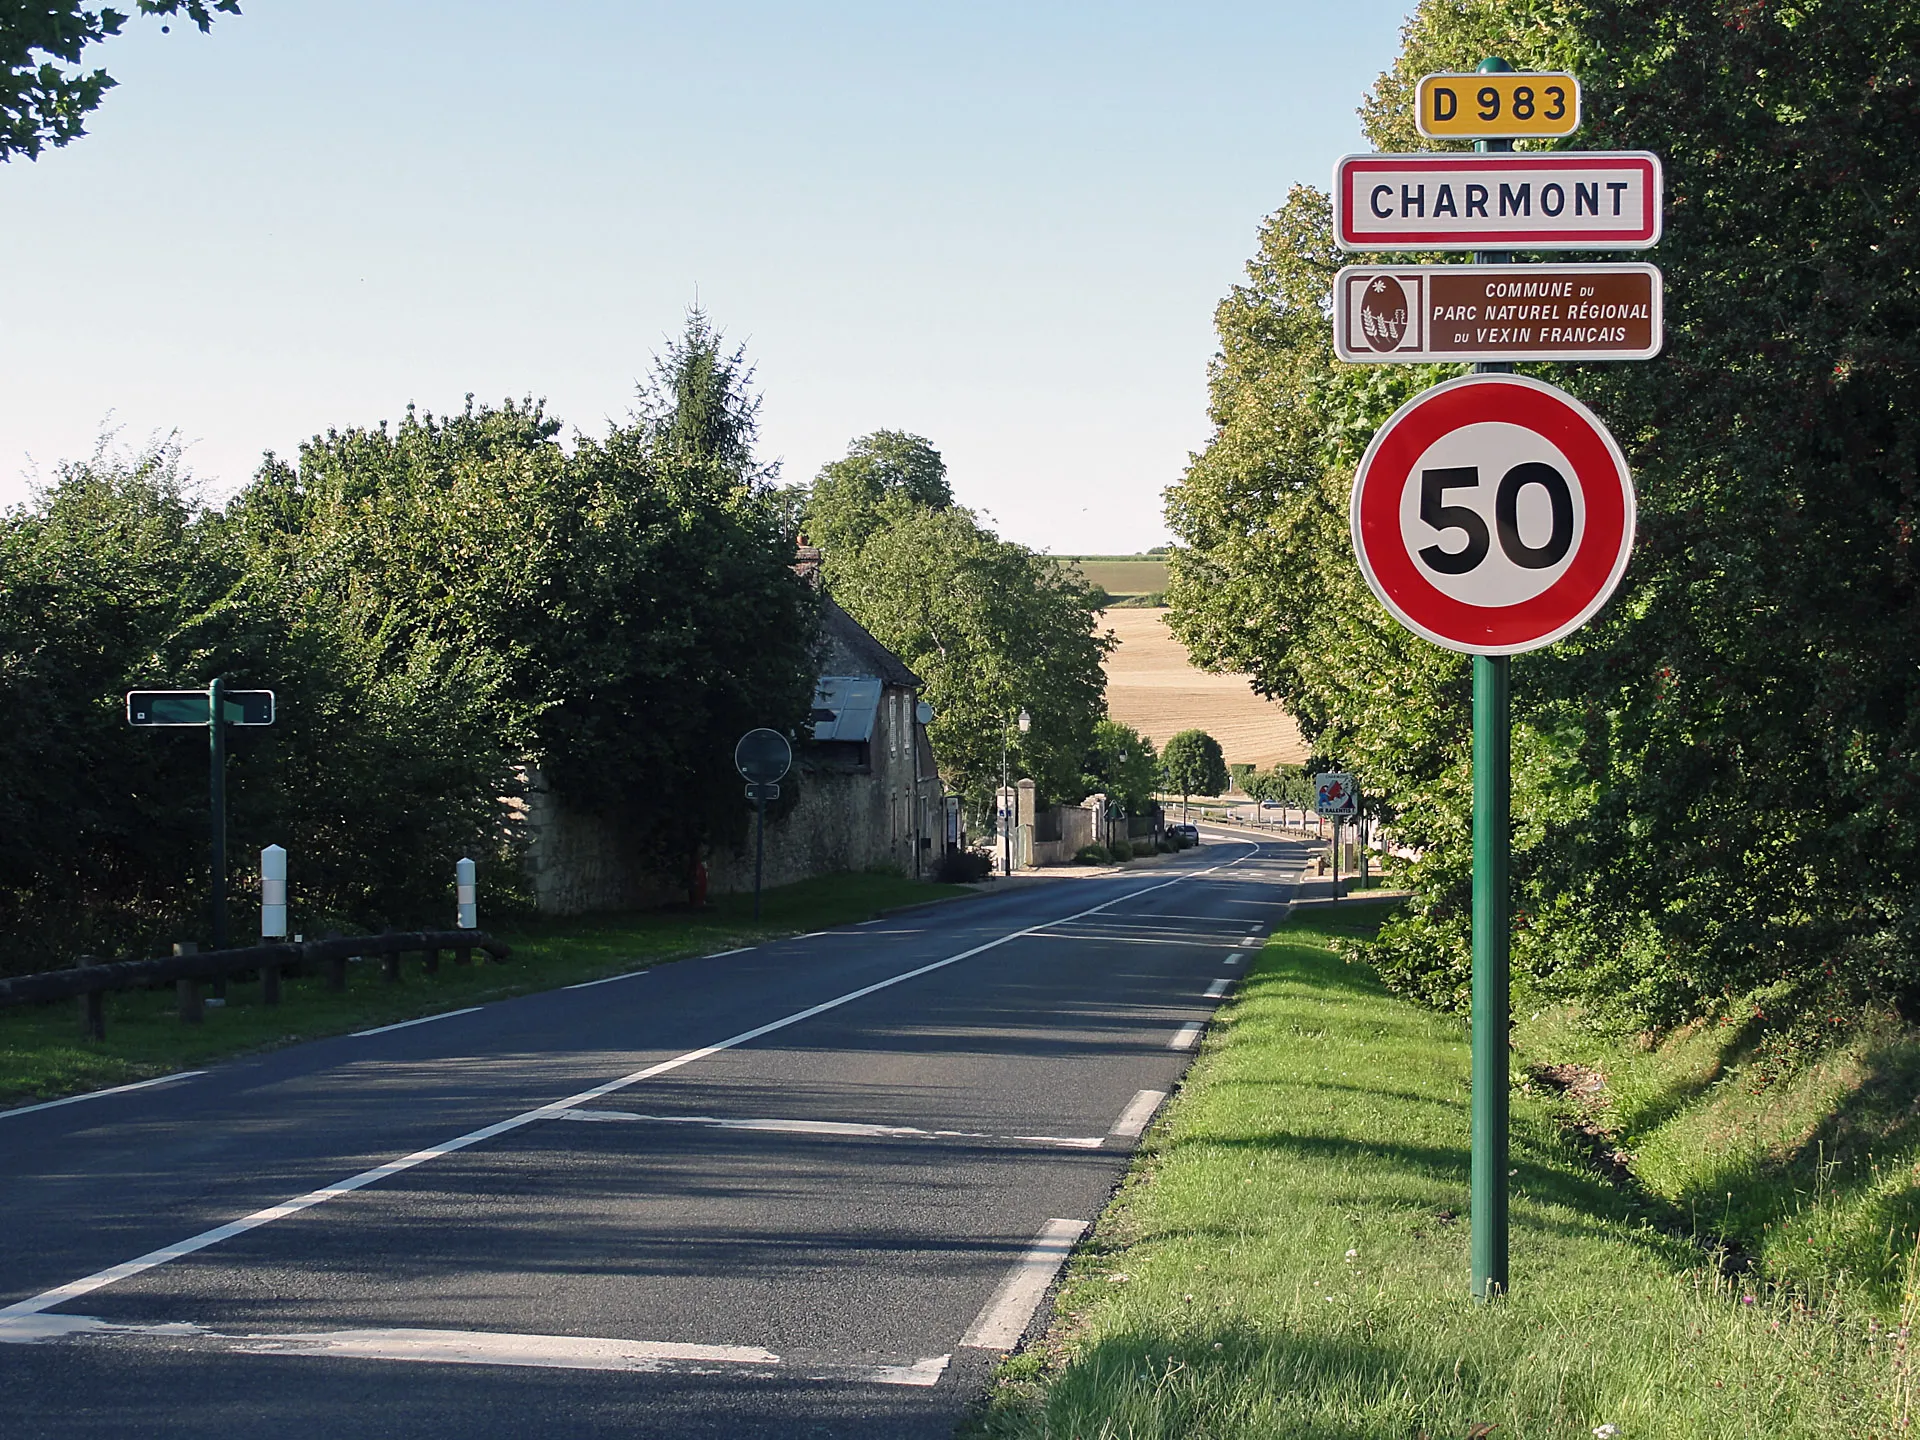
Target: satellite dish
(924,713)
(763,756)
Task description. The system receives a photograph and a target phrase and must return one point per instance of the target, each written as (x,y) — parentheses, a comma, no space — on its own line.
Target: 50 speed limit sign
(1493,514)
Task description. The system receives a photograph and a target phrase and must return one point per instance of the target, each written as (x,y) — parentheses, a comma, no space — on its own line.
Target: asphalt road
(815,1188)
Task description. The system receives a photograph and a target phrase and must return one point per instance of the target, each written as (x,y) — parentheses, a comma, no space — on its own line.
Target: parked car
(1184,835)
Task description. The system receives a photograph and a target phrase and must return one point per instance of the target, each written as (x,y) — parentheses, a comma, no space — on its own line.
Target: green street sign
(191,707)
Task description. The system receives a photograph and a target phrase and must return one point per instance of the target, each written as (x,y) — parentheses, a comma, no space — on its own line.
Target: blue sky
(1002,226)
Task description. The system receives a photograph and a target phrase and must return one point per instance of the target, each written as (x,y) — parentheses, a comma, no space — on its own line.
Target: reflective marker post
(1492,795)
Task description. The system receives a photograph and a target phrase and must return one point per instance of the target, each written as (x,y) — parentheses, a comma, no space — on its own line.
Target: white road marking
(1123,939)
(1217,988)
(1183,1039)
(1003,1321)
(608,980)
(1234,960)
(467,1347)
(851,1128)
(1139,1114)
(96,1094)
(722,954)
(423,1020)
(87,1284)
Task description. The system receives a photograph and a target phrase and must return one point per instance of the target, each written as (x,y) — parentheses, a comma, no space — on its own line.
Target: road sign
(763,756)
(1336,795)
(1497,312)
(1502,105)
(1561,200)
(757,790)
(1493,514)
(190,707)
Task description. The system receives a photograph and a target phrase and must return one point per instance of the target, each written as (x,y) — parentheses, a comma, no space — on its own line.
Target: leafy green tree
(1713,782)
(1121,763)
(991,628)
(1192,764)
(885,476)
(44,97)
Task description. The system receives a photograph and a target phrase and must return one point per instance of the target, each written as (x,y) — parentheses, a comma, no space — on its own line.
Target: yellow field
(1153,687)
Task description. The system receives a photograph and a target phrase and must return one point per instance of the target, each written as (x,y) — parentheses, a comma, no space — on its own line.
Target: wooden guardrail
(91,978)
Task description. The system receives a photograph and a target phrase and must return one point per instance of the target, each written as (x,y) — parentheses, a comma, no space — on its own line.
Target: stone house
(865,796)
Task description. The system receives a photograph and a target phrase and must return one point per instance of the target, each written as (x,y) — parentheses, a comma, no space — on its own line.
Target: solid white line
(1217,988)
(1183,1039)
(1139,1113)
(1003,1321)
(87,1284)
(722,954)
(96,1094)
(423,1020)
(849,1128)
(608,980)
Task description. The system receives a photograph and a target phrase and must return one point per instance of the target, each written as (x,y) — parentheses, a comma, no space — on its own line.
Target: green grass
(1806,1159)
(1289,1258)
(42,1055)
(1123,576)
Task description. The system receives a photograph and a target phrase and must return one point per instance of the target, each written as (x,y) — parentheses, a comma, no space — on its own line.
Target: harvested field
(1152,686)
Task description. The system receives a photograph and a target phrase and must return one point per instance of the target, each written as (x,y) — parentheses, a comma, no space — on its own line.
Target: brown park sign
(1415,313)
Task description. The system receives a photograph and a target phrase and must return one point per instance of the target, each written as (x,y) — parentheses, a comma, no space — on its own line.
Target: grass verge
(1289,1258)
(1800,1152)
(42,1055)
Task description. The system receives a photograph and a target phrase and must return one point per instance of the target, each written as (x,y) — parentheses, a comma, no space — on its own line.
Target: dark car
(1184,835)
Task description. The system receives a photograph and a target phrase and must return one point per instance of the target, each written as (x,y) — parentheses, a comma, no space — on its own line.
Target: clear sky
(1003,226)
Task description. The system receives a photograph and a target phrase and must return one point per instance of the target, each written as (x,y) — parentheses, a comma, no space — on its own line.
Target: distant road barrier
(91,978)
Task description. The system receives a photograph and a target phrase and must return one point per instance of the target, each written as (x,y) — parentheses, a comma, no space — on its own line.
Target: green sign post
(181,708)
(1492,514)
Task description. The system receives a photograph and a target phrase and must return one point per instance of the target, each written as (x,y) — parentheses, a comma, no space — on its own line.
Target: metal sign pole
(217,753)
(1492,784)
(759,849)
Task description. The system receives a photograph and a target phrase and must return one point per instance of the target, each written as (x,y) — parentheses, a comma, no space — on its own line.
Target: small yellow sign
(1501,105)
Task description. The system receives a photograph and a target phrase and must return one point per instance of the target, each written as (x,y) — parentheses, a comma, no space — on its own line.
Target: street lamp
(1006,819)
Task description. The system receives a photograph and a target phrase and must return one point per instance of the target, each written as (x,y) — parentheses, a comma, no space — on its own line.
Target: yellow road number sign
(1504,105)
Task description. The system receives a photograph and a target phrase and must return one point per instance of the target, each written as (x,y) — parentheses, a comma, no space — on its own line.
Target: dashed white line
(1217,988)
(1183,1038)
(1003,1320)
(608,980)
(854,1129)
(96,1094)
(423,1020)
(1139,1113)
(722,954)
(470,1347)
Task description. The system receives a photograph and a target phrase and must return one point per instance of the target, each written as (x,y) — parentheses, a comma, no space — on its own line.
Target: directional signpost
(762,757)
(172,708)
(1494,514)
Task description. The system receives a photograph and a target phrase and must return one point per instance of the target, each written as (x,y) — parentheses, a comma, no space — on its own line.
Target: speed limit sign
(1493,514)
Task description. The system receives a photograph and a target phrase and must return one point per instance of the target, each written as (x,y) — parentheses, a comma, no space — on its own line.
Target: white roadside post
(469,918)
(273,893)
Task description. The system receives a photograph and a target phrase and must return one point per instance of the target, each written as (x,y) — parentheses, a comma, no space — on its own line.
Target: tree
(991,628)
(1121,763)
(1193,765)
(44,99)
(1713,782)
(885,476)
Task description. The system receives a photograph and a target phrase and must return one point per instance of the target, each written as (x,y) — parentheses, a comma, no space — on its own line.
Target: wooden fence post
(187,990)
(93,1007)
